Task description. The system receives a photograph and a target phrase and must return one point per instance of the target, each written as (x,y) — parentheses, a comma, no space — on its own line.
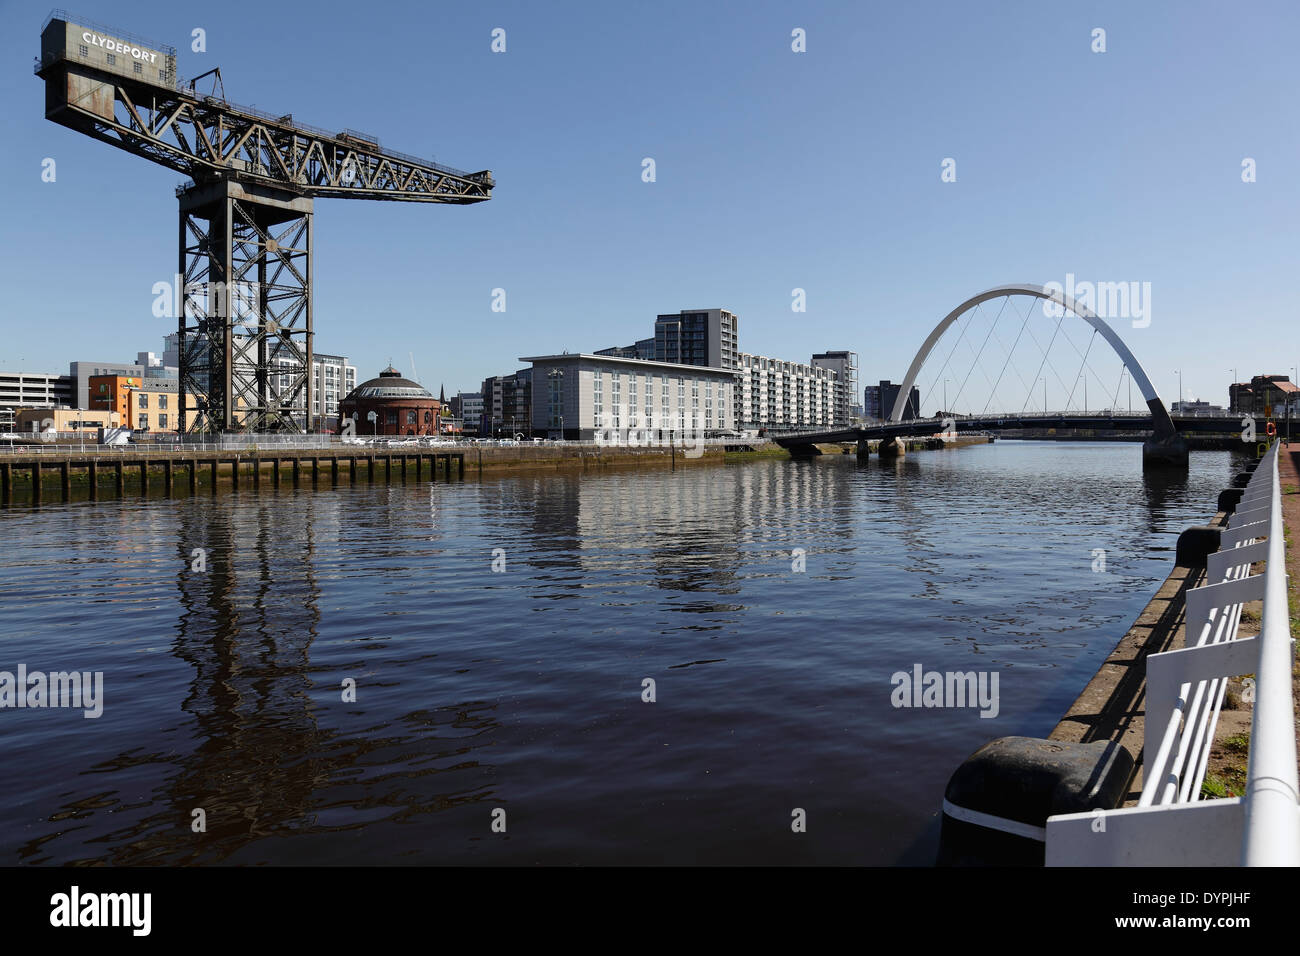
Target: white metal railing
(1272,826)
(1171,825)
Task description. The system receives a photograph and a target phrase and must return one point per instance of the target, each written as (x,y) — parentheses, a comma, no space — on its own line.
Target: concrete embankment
(997,803)
(51,473)
(73,472)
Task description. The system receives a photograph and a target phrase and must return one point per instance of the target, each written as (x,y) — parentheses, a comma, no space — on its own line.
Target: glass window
(144,399)
(112,60)
(162,401)
(139,68)
(162,420)
(410,417)
(391,418)
(85,51)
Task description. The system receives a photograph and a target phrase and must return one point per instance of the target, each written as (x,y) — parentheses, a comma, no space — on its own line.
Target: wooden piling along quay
(238,467)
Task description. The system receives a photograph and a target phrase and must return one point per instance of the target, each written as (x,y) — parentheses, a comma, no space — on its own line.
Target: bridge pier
(864,449)
(1167,452)
(891,448)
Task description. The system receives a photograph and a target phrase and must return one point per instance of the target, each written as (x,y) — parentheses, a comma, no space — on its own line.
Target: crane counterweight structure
(246,216)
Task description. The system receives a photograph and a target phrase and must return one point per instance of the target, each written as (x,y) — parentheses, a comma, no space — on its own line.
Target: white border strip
(990,822)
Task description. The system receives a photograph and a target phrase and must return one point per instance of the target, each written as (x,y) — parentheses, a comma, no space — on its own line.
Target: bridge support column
(891,448)
(1168,452)
(803,452)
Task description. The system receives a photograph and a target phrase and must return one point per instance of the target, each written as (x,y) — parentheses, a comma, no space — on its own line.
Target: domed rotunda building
(399,405)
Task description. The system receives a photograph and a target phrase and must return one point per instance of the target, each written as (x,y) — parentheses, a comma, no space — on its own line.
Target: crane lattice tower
(246,217)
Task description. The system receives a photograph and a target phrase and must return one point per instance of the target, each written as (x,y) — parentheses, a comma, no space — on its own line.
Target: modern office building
(32,390)
(332,379)
(468,408)
(778,394)
(640,349)
(507,404)
(878,401)
(770,393)
(845,366)
(109,393)
(141,404)
(577,394)
(81,373)
(707,337)
(155,407)
(871,403)
(767,392)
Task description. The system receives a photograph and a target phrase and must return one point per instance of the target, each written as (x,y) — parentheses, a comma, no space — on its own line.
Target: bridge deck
(1136,423)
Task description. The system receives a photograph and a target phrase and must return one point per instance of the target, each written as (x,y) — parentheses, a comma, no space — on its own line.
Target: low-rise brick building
(399,405)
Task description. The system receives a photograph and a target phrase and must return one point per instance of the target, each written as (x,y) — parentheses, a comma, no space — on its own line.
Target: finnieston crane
(245,316)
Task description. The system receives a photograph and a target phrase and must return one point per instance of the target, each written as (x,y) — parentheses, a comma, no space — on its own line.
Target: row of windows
(616,421)
(112,61)
(598,376)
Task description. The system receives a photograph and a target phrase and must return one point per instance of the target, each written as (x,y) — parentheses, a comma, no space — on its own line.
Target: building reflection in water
(274,750)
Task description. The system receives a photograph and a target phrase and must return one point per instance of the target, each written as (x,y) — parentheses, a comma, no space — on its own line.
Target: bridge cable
(1010,353)
(1114,399)
(1017,369)
(1040,364)
(965,328)
(981,351)
(1075,384)
(1099,379)
(1047,357)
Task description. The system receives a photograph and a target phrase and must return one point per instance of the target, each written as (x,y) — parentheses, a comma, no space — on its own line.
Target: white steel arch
(1160,415)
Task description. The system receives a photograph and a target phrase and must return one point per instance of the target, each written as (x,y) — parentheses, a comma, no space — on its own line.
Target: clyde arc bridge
(1007,398)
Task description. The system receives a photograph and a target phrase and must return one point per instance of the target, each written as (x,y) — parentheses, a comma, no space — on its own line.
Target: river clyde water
(521,689)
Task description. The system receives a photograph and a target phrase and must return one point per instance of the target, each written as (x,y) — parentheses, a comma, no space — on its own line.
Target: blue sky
(775,170)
